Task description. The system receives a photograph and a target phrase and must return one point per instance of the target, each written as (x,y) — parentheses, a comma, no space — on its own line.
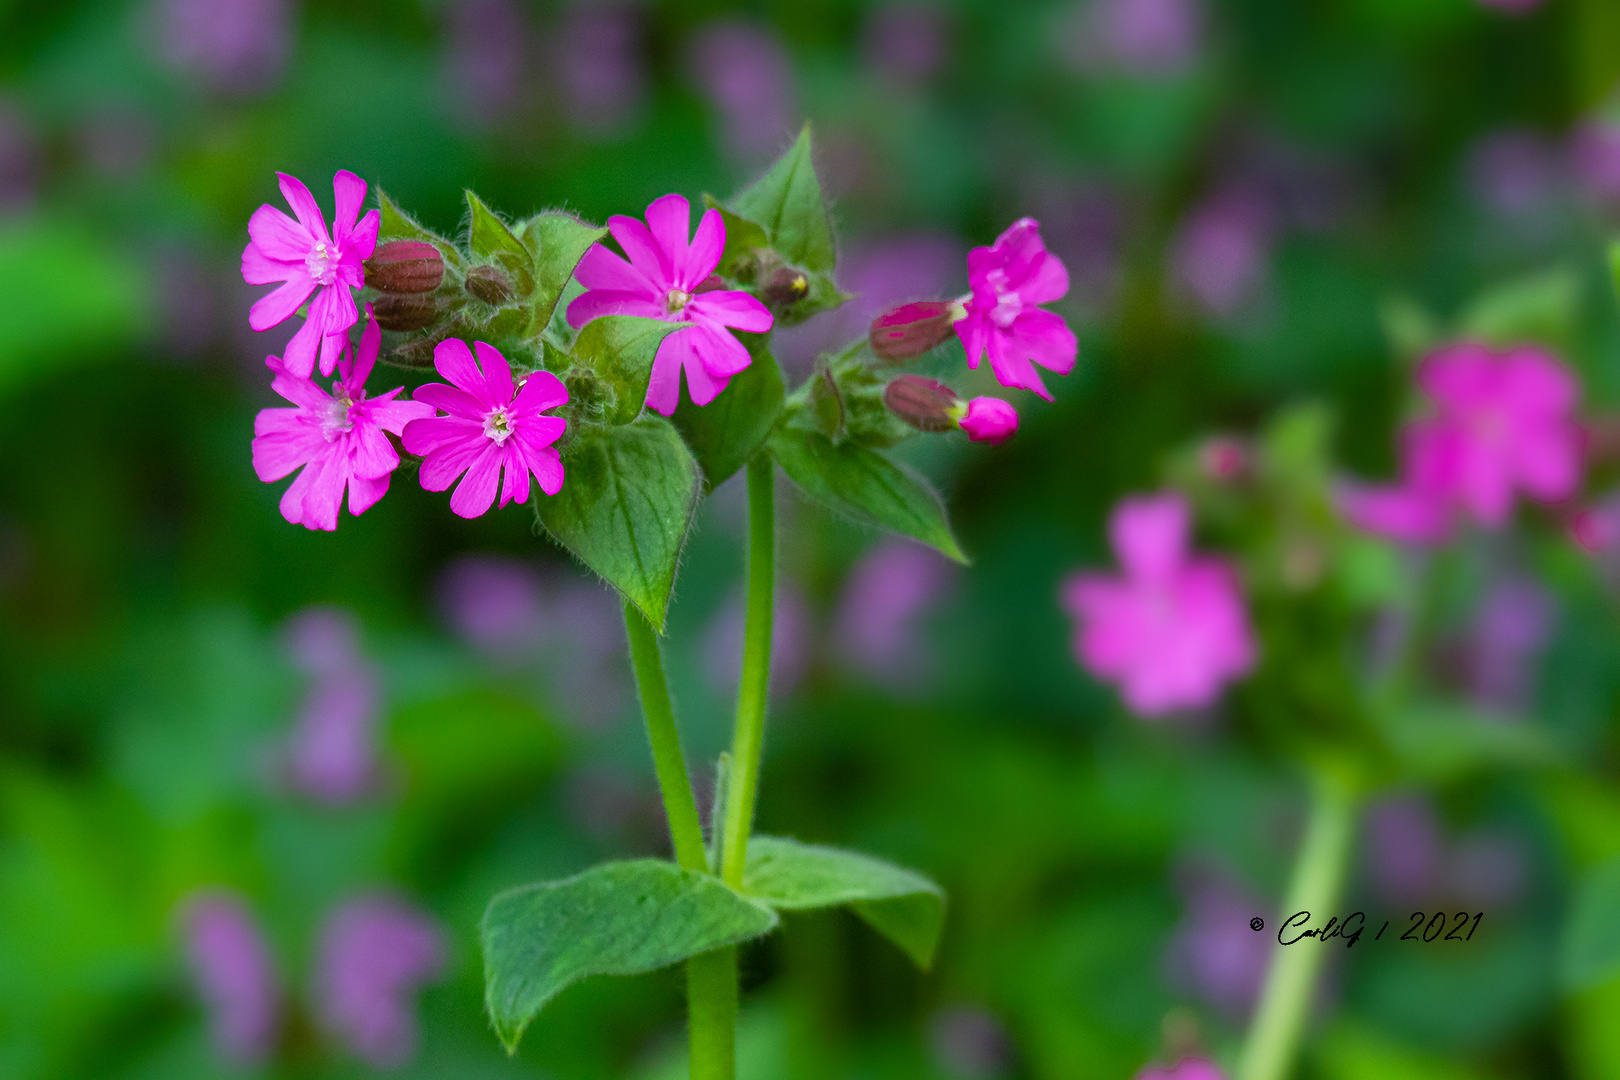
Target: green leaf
(788,203)
(620,918)
(621,350)
(625,507)
(1590,952)
(556,241)
(1444,741)
(900,904)
(488,236)
(1544,306)
(743,237)
(864,485)
(726,432)
(396,224)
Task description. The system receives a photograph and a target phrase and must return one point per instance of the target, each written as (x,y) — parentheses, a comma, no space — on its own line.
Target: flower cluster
(343,440)
(1502,423)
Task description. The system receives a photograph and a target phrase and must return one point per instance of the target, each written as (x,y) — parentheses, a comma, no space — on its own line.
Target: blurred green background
(1261,203)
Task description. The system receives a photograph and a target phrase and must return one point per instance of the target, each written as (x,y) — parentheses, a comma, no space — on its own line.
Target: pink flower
(231,965)
(1187,1069)
(1397,512)
(989,419)
(374,953)
(1009,279)
(340,439)
(1173,629)
(490,427)
(308,260)
(661,282)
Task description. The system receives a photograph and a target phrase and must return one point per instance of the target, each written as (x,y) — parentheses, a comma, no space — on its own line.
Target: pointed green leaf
(865,485)
(556,240)
(743,237)
(620,918)
(900,904)
(787,202)
(396,224)
(489,237)
(726,432)
(621,350)
(625,507)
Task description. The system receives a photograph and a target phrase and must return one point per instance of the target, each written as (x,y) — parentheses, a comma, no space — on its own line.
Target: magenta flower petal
(349,194)
(230,962)
(278,237)
(456,402)
(1413,517)
(1149,534)
(277,306)
(454,360)
(659,281)
(304,207)
(537,395)
(476,492)
(497,373)
(364,494)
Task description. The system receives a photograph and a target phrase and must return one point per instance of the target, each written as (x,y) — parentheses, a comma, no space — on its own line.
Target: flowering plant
(564,361)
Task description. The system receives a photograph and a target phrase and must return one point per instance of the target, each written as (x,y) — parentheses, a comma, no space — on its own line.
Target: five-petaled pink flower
(310,261)
(1173,629)
(1009,279)
(663,280)
(339,439)
(1503,423)
(491,426)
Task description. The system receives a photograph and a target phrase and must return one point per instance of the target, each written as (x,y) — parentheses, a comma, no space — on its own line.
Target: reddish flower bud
(490,284)
(908,331)
(405,266)
(923,403)
(415,353)
(1223,459)
(785,286)
(405,311)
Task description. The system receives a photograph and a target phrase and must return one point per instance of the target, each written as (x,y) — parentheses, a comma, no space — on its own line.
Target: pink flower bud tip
(1223,458)
(989,420)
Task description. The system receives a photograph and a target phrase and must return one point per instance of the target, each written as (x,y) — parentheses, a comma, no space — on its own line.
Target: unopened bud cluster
(933,407)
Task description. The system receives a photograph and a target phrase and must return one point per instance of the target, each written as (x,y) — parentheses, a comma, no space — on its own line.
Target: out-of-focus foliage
(1268,212)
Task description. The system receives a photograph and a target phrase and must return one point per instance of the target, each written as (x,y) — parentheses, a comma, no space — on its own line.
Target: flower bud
(785,286)
(404,311)
(923,403)
(405,266)
(415,353)
(1223,459)
(908,331)
(490,284)
(988,420)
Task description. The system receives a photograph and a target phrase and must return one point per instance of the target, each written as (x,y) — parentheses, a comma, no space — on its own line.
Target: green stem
(711,1008)
(685,827)
(749,738)
(1279,1020)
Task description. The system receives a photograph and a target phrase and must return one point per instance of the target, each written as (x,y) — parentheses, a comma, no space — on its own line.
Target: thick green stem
(749,738)
(711,1010)
(685,827)
(1279,1020)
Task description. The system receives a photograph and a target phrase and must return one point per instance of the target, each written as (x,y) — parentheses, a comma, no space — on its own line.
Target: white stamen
(498,426)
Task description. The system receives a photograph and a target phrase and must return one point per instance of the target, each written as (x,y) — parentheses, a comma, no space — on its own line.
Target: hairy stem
(1285,1002)
(748,740)
(685,827)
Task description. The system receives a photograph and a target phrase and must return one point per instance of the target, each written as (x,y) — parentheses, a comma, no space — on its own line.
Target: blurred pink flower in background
(969,1043)
(20,161)
(1595,155)
(1186,1069)
(332,749)
(596,58)
(1404,849)
(484,59)
(906,42)
(231,965)
(881,272)
(1146,38)
(1503,422)
(744,73)
(1512,7)
(233,46)
(1509,631)
(373,956)
(1172,630)
(790,642)
(888,593)
(664,279)
(493,602)
(1516,174)
(1212,954)
(1220,251)
(1085,225)
(1009,280)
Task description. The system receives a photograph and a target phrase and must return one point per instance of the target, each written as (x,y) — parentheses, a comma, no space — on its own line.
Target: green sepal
(824,295)
(864,485)
(620,349)
(900,904)
(738,260)
(788,204)
(556,240)
(488,237)
(729,430)
(626,507)
(620,918)
(396,224)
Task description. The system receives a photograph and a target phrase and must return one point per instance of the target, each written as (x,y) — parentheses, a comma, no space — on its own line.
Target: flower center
(336,423)
(321,263)
(498,427)
(1009,305)
(676,301)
